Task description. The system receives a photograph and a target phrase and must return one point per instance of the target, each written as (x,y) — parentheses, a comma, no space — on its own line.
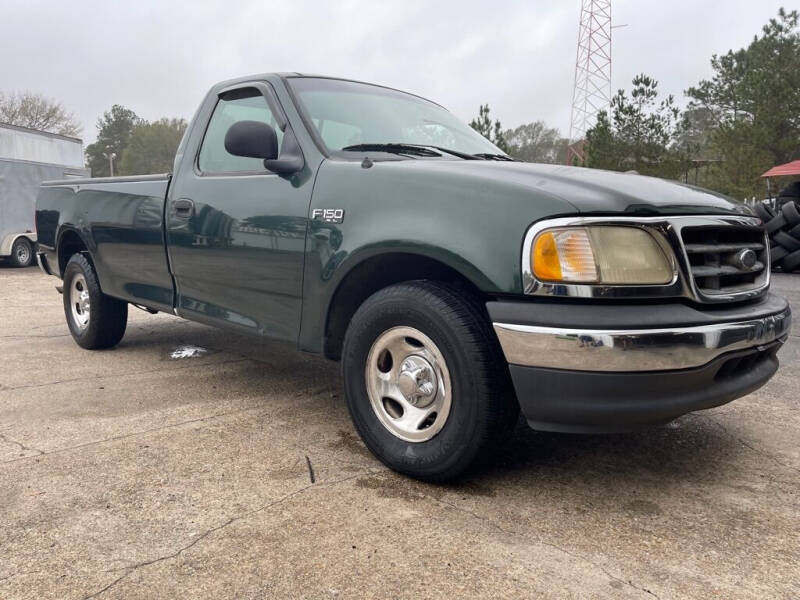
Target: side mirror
(253,139)
(291,159)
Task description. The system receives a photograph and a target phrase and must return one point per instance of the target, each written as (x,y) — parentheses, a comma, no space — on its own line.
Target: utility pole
(110,156)
(592,88)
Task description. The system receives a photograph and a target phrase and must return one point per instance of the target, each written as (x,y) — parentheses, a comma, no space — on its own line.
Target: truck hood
(595,190)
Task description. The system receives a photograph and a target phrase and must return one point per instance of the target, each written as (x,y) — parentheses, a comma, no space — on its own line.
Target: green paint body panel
(250,257)
(121,224)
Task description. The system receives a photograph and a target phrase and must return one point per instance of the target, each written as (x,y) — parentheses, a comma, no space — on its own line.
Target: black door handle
(183,208)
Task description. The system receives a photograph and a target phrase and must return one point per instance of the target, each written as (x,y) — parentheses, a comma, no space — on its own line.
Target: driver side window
(244,105)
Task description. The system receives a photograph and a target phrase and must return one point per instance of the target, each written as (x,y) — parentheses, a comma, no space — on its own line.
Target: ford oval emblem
(746,259)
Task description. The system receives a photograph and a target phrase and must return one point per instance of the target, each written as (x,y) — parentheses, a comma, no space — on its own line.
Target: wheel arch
(373,271)
(70,242)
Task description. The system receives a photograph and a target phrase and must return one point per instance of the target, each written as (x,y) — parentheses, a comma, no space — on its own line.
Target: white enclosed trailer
(27,158)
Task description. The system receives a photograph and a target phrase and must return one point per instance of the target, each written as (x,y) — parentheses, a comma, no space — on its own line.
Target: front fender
(473,226)
(358,274)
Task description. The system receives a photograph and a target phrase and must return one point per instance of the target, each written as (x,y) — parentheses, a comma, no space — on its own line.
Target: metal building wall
(19,184)
(18,143)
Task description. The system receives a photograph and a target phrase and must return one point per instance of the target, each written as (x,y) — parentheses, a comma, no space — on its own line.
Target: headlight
(600,254)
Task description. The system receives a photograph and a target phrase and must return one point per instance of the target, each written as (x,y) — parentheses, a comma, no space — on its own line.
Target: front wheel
(425,379)
(21,253)
(95,320)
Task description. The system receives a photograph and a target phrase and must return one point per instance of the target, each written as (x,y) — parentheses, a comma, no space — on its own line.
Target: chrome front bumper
(626,350)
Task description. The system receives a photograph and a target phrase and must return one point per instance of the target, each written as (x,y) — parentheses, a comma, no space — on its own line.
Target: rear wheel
(95,320)
(426,383)
(21,252)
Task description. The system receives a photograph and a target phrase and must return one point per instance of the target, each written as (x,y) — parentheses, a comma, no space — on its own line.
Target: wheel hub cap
(79,301)
(417,381)
(408,384)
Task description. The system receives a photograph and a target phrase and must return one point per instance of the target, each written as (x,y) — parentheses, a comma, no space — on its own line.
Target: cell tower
(592,90)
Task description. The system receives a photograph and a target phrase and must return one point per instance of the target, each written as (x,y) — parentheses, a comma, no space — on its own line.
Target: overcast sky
(159,57)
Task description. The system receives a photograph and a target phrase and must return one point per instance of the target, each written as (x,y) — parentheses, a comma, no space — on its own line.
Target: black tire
(107,317)
(791,262)
(21,253)
(777,223)
(483,409)
(777,254)
(791,213)
(782,238)
(764,212)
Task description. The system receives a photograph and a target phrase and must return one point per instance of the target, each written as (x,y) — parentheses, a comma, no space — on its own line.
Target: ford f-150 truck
(455,285)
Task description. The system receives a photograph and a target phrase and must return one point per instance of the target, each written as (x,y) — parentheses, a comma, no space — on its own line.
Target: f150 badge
(328,215)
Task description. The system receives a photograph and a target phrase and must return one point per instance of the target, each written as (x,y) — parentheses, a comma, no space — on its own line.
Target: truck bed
(121,221)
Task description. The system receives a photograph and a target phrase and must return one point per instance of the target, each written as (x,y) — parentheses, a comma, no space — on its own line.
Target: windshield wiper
(393,148)
(413,149)
(487,156)
(463,155)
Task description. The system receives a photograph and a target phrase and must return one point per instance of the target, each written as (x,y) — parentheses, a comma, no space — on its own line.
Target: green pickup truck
(456,286)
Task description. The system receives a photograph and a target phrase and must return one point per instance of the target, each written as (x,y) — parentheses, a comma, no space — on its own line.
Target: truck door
(236,232)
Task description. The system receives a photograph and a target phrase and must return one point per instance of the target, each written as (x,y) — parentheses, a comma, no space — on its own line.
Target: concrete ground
(131,474)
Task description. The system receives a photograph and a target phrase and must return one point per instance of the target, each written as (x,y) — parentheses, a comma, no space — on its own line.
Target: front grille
(720,261)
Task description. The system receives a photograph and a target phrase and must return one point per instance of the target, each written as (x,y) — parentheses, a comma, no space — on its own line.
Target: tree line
(736,125)
(126,142)
(132,145)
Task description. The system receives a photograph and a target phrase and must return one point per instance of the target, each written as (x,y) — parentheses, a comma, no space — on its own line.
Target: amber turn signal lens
(544,260)
(564,255)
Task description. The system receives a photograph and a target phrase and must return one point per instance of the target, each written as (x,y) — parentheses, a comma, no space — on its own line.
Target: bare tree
(26,109)
(536,142)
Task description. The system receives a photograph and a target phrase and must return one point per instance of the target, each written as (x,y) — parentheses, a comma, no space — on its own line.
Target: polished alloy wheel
(79,301)
(408,384)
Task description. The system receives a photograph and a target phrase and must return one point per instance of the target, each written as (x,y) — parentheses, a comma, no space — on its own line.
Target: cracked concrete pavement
(129,474)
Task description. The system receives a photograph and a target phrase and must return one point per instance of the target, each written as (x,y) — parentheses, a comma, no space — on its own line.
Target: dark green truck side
(456,286)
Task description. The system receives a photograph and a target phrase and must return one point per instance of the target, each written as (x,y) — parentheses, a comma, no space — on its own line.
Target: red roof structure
(790,168)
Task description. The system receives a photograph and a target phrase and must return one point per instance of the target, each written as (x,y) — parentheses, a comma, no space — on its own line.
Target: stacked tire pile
(783,227)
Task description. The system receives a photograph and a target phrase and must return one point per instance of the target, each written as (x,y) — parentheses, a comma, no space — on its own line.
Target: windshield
(346,113)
